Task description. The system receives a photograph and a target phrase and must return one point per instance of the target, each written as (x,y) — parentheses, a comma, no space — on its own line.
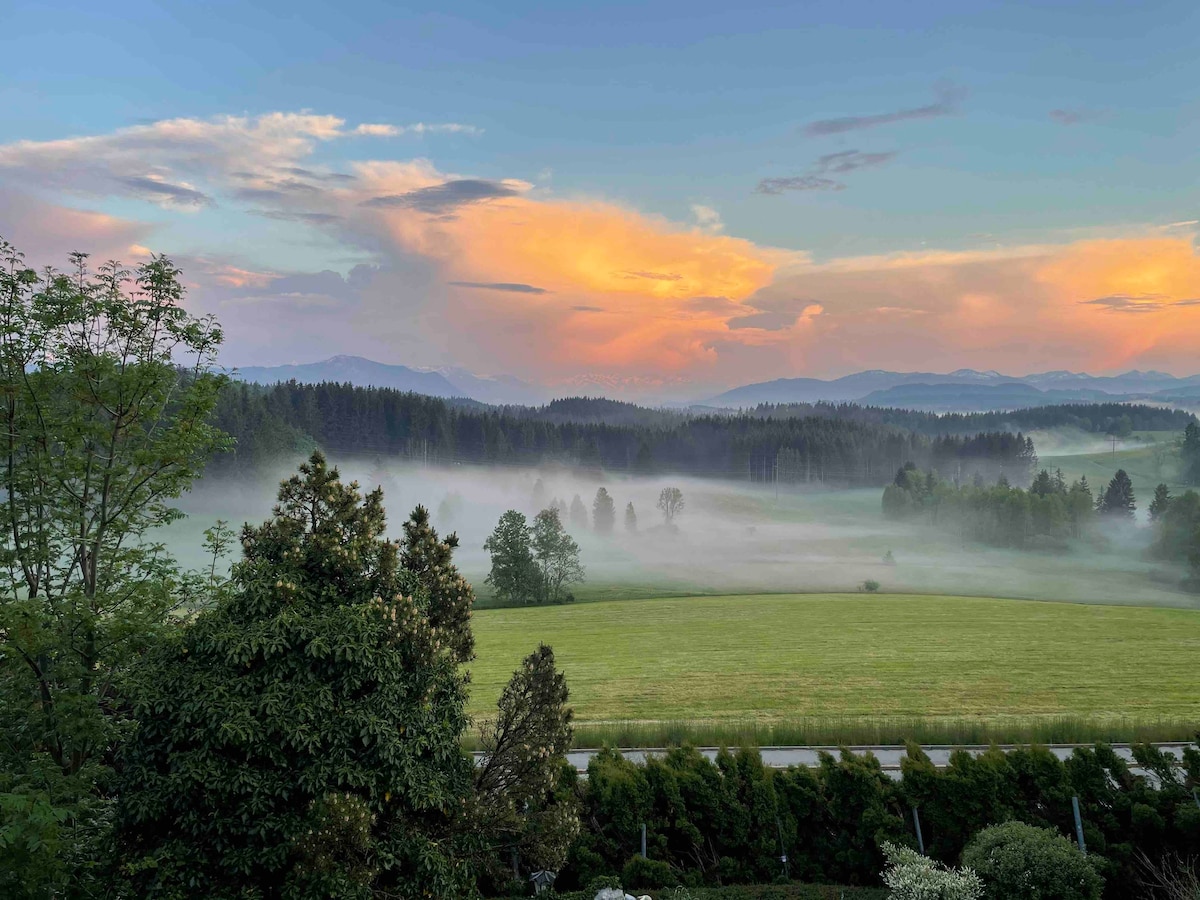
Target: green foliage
(1178,534)
(514,575)
(870,586)
(556,554)
(911,876)
(1020,862)
(642,873)
(302,738)
(103,429)
(729,821)
(1160,503)
(604,512)
(1117,499)
(1190,454)
(1004,515)
(525,794)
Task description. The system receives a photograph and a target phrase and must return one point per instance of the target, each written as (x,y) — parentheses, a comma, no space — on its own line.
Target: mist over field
(732,537)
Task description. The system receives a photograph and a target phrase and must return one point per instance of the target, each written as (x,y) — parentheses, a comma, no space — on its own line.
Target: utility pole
(1114,443)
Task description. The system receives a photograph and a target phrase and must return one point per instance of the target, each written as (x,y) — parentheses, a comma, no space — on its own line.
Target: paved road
(889,756)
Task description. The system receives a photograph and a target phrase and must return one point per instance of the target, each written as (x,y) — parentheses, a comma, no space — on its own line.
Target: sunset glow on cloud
(551,287)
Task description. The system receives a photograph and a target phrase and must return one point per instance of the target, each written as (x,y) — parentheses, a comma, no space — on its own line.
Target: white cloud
(707,219)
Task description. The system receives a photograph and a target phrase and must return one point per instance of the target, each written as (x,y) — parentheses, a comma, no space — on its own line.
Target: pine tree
(630,518)
(579,513)
(1162,500)
(1118,499)
(604,512)
(1190,453)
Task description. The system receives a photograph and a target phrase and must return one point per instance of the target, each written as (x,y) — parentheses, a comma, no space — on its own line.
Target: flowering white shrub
(911,876)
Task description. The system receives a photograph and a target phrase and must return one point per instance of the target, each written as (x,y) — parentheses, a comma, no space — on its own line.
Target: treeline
(287,418)
(1096,418)
(734,820)
(1000,513)
(1177,524)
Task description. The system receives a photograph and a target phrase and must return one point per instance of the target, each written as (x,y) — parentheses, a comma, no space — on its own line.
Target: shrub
(911,876)
(1021,862)
(870,586)
(648,873)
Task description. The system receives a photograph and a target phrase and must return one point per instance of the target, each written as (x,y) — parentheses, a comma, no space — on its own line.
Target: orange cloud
(583,284)
(1098,305)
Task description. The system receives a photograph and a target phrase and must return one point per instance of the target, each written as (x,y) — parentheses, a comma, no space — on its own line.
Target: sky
(653,196)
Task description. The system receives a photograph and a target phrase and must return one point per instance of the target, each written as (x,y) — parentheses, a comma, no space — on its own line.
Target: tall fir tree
(604,512)
(1118,499)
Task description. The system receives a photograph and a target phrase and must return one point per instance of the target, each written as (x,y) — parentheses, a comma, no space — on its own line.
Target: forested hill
(1097,418)
(282,419)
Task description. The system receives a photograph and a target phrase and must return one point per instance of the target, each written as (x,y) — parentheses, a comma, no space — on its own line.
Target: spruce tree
(630,518)
(604,512)
(1190,453)
(1162,500)
(1118,499)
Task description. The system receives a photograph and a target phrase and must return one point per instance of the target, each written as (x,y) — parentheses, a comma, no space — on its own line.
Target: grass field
(1146,464)
(857,666)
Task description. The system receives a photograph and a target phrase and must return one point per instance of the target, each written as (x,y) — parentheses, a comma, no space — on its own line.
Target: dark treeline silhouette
(1096,418)
(290,417)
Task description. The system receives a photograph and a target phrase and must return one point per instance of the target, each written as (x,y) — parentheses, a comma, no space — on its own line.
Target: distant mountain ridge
(963,389)
(447,382)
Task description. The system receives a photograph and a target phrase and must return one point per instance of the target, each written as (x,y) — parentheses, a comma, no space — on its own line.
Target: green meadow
(856,667)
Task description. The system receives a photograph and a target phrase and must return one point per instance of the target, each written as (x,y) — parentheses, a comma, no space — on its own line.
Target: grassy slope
(1146,467)
(778,657)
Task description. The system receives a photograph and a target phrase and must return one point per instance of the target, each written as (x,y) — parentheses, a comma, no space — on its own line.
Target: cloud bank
(503,277)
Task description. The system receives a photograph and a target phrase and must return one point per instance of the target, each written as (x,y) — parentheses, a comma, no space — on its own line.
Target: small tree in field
(630,518)
(514,573)
(604,512)
(557,555)
(670,503)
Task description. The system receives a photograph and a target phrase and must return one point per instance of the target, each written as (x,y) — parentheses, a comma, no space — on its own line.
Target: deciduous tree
(514,574)
(557,555)
(107,393)
(302,738)
(670,503)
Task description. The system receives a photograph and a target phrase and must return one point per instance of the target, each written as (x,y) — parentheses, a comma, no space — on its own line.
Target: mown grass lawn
(780,657)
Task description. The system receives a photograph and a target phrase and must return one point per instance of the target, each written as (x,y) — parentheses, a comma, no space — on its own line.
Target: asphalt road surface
(889,756)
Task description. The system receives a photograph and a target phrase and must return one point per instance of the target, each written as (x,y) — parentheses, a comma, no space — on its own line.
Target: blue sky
(1044,123)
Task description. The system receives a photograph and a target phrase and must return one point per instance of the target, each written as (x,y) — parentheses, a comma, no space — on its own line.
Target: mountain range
(964,389)
(447,382)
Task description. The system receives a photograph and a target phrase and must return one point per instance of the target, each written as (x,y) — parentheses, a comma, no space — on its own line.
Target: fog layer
(730,538)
